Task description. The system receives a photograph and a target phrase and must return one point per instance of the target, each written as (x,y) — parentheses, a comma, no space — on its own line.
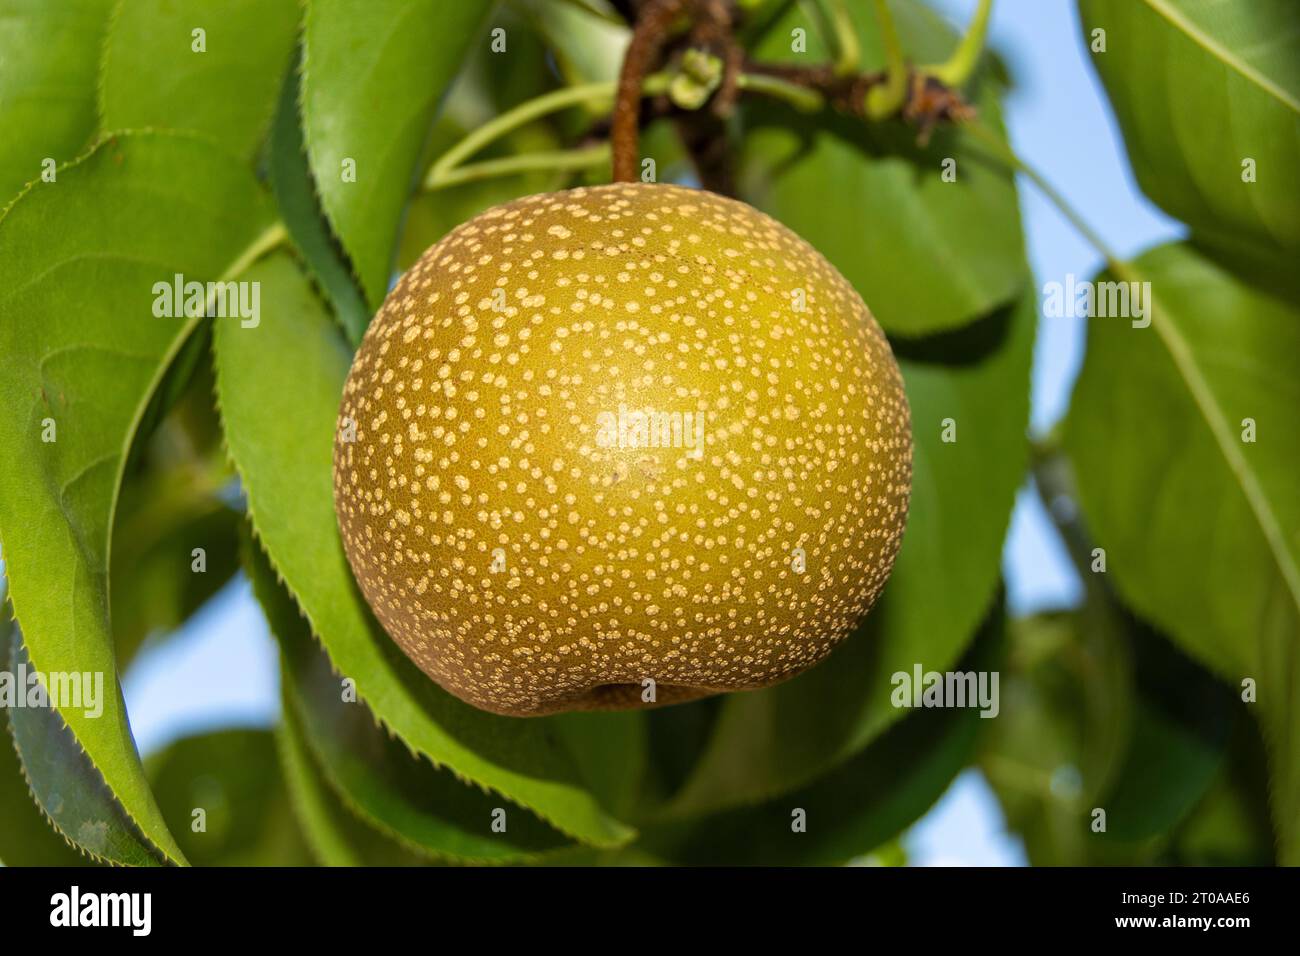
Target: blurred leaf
(1088,724)
(233,776)
(1067,702)
(162,517)
(84,350)
(588,48)
(190,363)
(1230,825)
(1182,719)
(336,837)
(1168,768)
(762,14)
(483,90)
(489,82)
(925,254)
(295,194)
(856,807)
(174,498)
(71,792)
(610,750)
(49,57)
(771,741)
(677,738)
(394,790)
(27,837)
(182,428)
(1198,87)
(282,442)
(1201,528)
(850,811)
(1066,684)
(369,96)
(434,214)
(153,77)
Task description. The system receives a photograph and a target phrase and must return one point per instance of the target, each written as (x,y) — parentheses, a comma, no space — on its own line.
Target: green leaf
(676,739)
(431,215)
(1101,712)
(1168,768)
(434,214)
(773,740)
(369,96)
(1230,825)
(281,440)
(1067,701)
(587,48)
(336,837)
(49,55)
(295,194)
(425,809)
(162,517)
(926,255)
(481,92)
(27,837)
(1182,720)
(70,791)
(850,811)
(174,496)
(858,806)
(233,777)
(1200,86)
(489,82)
(153,75)
(1201,527)
(84,352)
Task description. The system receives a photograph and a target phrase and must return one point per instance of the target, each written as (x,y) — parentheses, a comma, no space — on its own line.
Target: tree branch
(648,40)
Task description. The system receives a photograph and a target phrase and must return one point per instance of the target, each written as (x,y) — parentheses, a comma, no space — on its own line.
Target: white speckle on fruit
(478,434)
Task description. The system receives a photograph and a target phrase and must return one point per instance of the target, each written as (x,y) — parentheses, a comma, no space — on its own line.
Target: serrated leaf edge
(237,265)
(12,735)
(392,732)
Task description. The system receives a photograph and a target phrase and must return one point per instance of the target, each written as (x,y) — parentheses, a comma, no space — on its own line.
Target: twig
(848,52)
(512,119)
(803,98)
(447,165)
(564,160)
(888,98)
(958,68)
(926,101)
(648,39)
(847,94)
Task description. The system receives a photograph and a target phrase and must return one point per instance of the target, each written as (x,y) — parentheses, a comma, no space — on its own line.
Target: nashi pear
(621,446)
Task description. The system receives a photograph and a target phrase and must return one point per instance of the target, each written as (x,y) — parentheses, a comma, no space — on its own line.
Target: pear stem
(648,39)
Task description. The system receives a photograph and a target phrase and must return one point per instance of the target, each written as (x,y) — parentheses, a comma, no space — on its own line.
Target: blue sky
(222,669)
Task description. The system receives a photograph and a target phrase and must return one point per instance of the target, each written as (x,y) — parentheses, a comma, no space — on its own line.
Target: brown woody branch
(658,37)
